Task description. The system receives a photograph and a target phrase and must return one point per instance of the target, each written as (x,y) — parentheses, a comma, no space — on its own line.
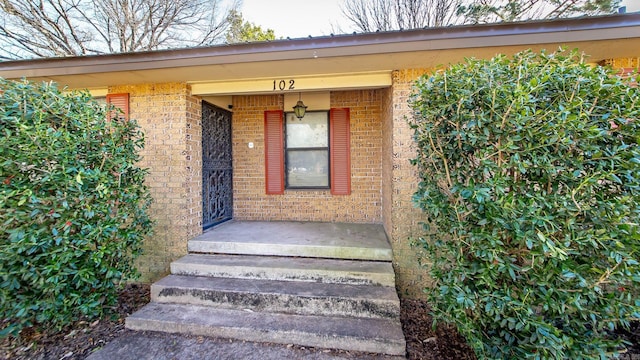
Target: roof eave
(457,37)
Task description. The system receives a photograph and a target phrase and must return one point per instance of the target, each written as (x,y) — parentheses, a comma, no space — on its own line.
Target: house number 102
(283,85)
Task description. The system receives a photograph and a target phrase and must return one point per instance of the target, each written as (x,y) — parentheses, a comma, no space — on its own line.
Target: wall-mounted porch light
(300,109)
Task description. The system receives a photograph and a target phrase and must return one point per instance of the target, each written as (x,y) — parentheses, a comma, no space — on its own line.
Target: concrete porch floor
(304,239)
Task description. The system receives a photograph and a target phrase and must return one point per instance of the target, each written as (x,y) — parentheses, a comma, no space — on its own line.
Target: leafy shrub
(530,184)
(73,206)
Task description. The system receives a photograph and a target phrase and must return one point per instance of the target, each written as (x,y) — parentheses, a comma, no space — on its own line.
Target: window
(307,151)
(339,153)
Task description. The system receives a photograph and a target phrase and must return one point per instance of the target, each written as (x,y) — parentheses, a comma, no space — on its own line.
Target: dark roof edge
(255,51)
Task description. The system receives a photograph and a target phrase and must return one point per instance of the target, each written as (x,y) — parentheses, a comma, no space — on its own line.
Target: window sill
(308,189)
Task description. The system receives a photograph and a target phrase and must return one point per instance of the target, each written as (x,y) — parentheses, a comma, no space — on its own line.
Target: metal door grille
(217,189)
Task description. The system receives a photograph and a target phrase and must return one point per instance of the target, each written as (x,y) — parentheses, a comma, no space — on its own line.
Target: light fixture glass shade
(300,109)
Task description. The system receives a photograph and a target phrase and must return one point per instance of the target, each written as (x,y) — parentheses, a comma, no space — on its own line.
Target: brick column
(401,218)
(170,118)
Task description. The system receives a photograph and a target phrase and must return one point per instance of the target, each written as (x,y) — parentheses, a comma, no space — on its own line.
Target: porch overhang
(305,83)
(370,57)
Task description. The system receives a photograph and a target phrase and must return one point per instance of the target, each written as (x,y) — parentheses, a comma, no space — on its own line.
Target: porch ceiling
(616,36)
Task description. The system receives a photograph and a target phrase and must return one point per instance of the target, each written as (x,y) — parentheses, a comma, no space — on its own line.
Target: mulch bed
(632,336)
(423,342)
(79,340)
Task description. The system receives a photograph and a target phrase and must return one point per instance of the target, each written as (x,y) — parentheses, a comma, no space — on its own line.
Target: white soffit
(95,92)
(313,100)
(224,102)
(99,92)
(293,84)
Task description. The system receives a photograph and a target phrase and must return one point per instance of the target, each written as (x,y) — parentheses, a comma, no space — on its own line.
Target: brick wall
(364,203)
(624,63)
(171,120)
(387,159)
(628,67)
(402,219)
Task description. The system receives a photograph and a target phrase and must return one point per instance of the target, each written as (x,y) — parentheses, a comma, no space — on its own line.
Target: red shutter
(629,73)
(121,101)
(624,72)
(340,152)
(274,152)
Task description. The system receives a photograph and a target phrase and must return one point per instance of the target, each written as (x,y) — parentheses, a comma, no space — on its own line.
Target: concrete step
(289,297)
(317,240)
(370,335)
(286,269)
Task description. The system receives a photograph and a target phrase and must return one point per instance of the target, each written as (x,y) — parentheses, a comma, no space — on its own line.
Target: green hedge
(73,205)
(530,185)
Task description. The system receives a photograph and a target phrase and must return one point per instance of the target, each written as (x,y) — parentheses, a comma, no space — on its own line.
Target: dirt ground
(79,340)
(83,338)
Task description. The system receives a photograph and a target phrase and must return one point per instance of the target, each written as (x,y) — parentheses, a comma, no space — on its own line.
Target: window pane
(310,131)
(308,168)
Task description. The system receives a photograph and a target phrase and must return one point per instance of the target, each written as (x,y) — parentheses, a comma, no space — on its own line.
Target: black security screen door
(217,194)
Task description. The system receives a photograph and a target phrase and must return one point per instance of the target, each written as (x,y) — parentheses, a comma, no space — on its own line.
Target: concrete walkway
(146,345)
